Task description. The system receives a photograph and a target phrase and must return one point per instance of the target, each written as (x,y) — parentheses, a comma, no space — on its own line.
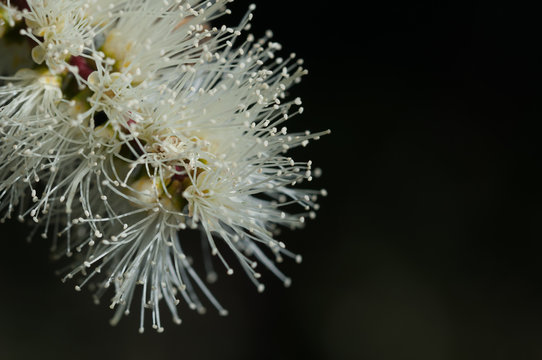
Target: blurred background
(428,246)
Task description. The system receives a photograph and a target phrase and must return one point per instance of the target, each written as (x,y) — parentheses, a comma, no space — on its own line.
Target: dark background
(428,246)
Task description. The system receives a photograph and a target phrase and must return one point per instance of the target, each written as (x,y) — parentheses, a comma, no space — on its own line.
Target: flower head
(139,121)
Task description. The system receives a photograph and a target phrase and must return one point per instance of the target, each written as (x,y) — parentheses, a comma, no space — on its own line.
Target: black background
(428,246)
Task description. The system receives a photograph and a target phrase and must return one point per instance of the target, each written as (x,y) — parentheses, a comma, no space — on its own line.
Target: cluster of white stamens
(139,121)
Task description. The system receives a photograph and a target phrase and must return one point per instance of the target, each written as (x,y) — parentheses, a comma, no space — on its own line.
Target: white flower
(60,29)
(147,121)
(26,143)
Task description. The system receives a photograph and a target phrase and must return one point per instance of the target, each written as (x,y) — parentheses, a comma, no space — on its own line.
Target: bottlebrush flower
(140,121)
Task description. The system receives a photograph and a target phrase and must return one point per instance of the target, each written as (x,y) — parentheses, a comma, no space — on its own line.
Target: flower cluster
(125,124)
